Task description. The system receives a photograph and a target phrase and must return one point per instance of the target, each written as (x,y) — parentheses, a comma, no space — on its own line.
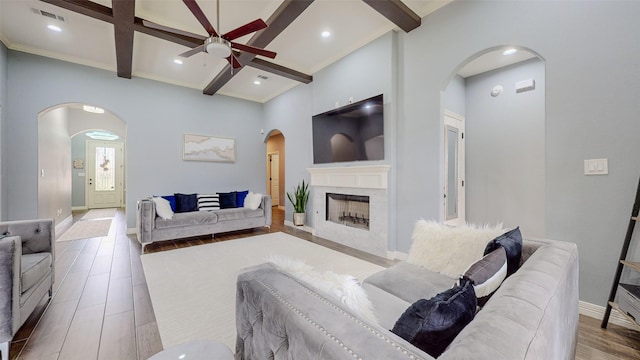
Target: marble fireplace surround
(369,181)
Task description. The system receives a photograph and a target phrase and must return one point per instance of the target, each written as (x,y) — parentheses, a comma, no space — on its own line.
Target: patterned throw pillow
(487,274)
(208,202)
(431,325)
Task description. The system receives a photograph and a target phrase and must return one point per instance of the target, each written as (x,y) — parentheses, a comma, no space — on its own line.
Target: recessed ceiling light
(325,34)
(93,109)
(509,52)
(54,28)
(178,61)
(257,82)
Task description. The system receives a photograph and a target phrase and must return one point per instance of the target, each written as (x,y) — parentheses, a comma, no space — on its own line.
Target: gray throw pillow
(487,274)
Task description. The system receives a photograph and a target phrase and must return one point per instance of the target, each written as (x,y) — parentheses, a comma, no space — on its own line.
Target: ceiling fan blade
(153,25)
(245,29)
(195,50)
(234,61)
(202,18)
(254,50)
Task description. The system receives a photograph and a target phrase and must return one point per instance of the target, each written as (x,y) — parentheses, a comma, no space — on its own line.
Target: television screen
(354,132)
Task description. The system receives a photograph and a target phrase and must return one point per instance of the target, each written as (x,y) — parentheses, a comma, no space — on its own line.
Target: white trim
(397,255)
(132,231)
(597,312)
(79,208)
(68,220)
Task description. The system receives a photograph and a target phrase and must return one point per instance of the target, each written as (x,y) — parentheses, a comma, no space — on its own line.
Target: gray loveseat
(151,228)
(533,315)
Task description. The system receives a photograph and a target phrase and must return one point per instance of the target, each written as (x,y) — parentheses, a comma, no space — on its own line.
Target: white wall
(505,146)
(3,105)
(157,116)
(53,165)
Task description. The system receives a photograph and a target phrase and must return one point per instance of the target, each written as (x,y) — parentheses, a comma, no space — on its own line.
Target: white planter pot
(299,219)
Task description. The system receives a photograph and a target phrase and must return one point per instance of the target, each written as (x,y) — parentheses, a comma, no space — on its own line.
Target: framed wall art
(208,148)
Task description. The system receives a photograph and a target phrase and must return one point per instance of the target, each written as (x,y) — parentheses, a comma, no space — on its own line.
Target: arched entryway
(275,179)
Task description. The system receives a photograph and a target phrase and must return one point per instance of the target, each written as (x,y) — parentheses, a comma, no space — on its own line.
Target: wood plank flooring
(101,307)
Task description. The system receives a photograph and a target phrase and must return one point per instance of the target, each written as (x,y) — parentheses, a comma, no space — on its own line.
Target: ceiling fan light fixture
(218,47)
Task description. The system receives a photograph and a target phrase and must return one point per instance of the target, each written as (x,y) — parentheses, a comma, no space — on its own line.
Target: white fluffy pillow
(449,250)
(253,200)
(163,208)
(344,289)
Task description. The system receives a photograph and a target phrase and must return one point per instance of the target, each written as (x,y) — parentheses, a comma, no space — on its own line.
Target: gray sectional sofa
(533,315)
(152,228)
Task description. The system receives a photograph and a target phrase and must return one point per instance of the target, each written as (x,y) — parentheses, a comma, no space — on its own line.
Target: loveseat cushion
(238,214)
(386,307)
(410,282)
(33,268)
(187,219)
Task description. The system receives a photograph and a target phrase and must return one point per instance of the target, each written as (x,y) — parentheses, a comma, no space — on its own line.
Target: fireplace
(348,210)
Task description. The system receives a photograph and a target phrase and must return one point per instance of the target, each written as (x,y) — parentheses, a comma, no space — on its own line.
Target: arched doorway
(62,167)
(276,168)
(499,94)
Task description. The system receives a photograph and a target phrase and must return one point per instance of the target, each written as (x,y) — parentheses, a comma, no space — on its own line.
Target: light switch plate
(596,167)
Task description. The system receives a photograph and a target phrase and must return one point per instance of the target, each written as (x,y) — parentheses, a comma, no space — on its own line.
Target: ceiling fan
(216,44)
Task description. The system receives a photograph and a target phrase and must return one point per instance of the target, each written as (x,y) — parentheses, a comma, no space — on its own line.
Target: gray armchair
(26,273)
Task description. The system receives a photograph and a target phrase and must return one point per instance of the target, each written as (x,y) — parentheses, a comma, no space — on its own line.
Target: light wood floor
(101,307)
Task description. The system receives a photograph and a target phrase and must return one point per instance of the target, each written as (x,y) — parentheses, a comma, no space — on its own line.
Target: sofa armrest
(10,263)
(266,206)
(146,220)
(36,235)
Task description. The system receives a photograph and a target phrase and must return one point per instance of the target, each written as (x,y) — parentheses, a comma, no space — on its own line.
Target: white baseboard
(79,208)
(63,223)
(597,312)
(132,231)
(397,255)
(305,228)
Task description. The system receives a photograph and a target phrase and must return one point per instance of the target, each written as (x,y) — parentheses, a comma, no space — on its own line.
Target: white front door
(454,193)
(105,178)
(274,178)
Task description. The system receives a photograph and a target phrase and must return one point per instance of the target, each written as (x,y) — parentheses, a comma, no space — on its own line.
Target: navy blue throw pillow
(228,200)
(431,325)
(172,201)
(186,202)
(511,241)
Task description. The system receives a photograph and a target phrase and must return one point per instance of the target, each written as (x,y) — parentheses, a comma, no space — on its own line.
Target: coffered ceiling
(118,40)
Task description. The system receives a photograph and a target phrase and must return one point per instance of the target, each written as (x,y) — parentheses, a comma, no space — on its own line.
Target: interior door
(454,160)
(105,180)
(274,178)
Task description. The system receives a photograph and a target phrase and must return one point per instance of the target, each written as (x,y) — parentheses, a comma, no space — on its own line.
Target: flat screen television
(354,132)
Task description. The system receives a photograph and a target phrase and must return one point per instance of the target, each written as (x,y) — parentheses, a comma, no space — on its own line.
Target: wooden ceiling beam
(286,13)
(123,19)
(396,11)
(264,65)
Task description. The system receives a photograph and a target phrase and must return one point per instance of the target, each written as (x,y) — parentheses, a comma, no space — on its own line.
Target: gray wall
(505,147)
(78,182)
(590,51)
(3,110)
(454,98)
(157,116)
(54,165)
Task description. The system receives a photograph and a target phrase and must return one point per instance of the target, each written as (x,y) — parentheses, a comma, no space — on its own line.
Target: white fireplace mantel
(362,177)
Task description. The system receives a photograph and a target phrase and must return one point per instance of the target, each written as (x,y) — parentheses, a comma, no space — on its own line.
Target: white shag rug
(193,290)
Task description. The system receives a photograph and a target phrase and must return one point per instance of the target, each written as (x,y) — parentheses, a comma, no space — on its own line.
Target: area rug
(193,290)
(85,229)
(99,214)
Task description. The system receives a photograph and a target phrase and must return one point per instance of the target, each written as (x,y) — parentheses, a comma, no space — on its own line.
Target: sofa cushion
(487,274)
(187,219)
(228,200)
(240,196)
(33,268)
(163,208)
(387,307)
(449,250)
(208,202)
(431,325)
(511,241)
(186,202)
(238,214)
(410,282)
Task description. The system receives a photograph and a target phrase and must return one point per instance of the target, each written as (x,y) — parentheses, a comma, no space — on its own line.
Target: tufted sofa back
(35,235)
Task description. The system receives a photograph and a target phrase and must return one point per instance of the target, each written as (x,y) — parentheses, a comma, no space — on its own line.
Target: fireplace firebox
(348,210)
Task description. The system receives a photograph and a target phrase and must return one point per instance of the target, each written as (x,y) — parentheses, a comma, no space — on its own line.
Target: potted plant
(299,200)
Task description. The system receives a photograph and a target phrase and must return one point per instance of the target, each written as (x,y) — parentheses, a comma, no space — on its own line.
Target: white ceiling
(88,41)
